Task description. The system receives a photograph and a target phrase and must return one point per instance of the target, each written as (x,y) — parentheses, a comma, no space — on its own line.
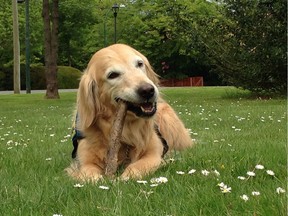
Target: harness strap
(77,135)
(164,143)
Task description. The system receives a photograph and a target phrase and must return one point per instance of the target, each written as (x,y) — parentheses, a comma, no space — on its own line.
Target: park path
(36,91)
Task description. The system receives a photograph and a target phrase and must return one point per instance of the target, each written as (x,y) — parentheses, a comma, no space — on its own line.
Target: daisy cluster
(223,188)
(211,115)
(10,137)
(227,189)
(252,173)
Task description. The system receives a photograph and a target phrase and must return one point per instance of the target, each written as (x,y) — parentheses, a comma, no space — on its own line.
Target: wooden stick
(114,141)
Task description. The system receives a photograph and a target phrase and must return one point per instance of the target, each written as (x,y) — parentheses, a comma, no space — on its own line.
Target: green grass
(232,135)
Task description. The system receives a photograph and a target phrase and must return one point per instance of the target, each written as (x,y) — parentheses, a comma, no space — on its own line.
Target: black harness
(77,135)
(164,143)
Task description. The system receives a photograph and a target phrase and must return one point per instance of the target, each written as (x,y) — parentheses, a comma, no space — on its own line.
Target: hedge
(68,77)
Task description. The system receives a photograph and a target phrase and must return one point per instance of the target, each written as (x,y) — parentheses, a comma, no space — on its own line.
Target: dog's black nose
(146,91)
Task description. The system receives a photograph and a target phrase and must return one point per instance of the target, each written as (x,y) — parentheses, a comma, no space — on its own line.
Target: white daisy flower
(205,172)
(78,185)
(103,187)
(280,190)
(270,172)
(9,142)
(244,197)
(241,177)
(216,173)
(180,172)
(225,189)
(221,184)
(255,193)
(159,180)
(191,171)
(251,173)
(259,167)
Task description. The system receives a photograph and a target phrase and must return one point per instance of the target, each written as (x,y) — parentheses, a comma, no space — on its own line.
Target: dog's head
(115,73)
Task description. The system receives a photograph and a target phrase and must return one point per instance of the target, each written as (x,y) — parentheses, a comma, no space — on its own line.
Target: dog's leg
(149,161)
(90,161)
(90,172)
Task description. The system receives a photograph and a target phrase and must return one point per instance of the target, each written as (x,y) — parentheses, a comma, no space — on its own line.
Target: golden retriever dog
(114,73)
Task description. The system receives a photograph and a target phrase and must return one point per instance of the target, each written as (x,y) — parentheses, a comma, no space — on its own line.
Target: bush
(68,77)
(38,81)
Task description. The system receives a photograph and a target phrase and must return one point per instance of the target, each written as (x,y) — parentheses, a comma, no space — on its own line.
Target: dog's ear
(87,101)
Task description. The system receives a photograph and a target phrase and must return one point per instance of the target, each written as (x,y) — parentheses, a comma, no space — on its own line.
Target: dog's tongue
(147,107)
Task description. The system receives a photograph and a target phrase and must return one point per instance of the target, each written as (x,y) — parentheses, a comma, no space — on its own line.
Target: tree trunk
(51,47)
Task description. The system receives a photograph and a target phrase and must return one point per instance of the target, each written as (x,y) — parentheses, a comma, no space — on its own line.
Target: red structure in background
(190,81)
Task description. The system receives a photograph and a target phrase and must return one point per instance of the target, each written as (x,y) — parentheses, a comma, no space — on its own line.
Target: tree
(248,44)
(51,47)
(76,30)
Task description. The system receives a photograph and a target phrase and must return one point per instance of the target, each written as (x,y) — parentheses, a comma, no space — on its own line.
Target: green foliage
(6,39)
(232,136)
(247,45)
(37,76)
(239,43)
(76,20)
(36,31)
(163,42)
(68,77)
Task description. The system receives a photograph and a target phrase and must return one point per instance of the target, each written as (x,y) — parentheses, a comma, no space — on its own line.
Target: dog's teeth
(147,109)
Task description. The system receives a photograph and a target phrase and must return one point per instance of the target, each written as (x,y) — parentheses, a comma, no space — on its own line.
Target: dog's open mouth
(146,109)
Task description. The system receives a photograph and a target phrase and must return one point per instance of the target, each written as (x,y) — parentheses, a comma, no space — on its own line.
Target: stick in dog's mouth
(145,109)
(114,141)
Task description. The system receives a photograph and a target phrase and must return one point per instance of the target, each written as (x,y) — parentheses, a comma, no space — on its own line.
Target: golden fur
(118,72)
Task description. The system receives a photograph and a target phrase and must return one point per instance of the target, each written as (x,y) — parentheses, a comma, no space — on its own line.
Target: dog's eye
(113,75)
(139,64)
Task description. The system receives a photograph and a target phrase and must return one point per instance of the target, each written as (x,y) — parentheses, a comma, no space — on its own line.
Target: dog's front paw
(90,178)
(87,174)
(131,173)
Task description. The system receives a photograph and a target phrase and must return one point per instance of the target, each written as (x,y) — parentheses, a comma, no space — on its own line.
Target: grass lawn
(232,134)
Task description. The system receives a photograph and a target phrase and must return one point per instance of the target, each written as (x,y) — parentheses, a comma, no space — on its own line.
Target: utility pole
(16,49)
(115,9)
(27,49)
